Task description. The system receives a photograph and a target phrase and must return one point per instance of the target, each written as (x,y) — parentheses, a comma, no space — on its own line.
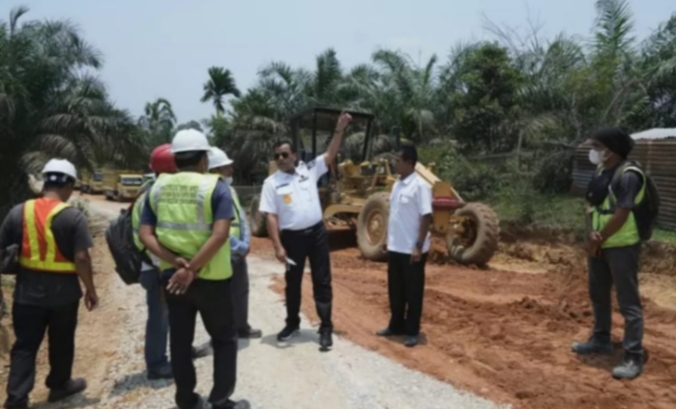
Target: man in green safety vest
(614,247)
(186,224)
(221,164)
(157,325)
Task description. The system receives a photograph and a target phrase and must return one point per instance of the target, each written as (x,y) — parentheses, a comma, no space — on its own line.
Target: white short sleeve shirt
(411,199)
(294,197)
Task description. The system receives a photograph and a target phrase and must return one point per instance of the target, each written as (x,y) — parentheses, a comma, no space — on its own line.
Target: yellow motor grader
(355,194)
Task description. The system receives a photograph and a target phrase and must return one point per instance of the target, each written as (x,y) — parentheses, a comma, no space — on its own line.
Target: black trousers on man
(213,300)
(240,293)
(617,266)
(313,244)
(30,325)
(406,288)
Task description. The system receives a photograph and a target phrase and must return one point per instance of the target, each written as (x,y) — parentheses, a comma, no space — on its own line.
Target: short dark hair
(283,142)
(409,153)
(57,180)
(188,159)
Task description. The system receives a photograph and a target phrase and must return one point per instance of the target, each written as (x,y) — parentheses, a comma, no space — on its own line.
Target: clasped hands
(182,278)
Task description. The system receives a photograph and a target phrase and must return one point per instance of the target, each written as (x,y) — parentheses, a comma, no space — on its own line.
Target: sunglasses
(282,155)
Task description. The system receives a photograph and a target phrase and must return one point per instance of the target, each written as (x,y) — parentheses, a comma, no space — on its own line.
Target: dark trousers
(30,325)
(406,288)
(157,325)
(619,266)
(213,300)
(240,293)
(312,243)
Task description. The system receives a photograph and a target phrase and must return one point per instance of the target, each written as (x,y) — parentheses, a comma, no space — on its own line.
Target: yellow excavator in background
(355,194)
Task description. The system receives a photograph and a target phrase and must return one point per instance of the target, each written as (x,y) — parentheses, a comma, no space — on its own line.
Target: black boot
(72,387)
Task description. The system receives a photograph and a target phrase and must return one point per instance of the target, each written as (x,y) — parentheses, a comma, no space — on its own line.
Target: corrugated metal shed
(656,150)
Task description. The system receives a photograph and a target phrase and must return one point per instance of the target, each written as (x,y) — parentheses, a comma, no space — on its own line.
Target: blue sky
(163,48)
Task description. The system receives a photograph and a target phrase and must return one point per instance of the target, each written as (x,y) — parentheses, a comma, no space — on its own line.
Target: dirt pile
(504,335)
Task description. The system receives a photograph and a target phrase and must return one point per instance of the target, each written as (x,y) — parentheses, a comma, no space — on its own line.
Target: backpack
(120,239)
(646,212)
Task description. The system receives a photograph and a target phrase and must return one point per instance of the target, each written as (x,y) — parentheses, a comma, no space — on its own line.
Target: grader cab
(355,193)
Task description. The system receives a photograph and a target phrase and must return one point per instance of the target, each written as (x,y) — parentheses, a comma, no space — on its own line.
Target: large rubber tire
(257,222)
(486,237)
(372,226)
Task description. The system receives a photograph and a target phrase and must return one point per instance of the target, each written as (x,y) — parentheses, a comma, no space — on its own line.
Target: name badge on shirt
(285,192)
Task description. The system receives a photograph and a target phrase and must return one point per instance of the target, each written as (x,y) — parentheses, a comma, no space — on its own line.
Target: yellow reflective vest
(39,250)
(182,204)
(236,225)
(628,234)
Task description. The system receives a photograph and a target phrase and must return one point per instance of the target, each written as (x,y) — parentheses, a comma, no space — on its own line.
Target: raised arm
(337,139)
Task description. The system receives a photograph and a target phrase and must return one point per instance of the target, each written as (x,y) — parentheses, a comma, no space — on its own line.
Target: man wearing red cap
(157,326)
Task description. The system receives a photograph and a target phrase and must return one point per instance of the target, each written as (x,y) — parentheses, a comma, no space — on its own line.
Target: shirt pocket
(406,199)
(306,189)
(285,195)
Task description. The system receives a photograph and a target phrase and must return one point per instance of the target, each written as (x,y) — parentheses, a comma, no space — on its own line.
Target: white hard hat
(61,166)
(218,158)
(190,140)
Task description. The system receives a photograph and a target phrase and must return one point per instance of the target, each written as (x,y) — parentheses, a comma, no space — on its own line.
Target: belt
(301,232)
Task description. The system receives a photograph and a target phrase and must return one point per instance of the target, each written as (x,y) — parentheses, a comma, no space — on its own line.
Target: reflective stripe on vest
(39,250)
(628,234)
(235,225)
(182,204)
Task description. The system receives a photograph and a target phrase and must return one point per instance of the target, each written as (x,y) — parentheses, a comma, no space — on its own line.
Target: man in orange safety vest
(54,243)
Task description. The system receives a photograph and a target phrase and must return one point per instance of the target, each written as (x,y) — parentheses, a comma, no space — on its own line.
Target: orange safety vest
(38,248)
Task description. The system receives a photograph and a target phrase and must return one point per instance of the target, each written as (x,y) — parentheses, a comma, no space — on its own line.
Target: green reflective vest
(627,235)
(182,204)
(236,225)
(136,212)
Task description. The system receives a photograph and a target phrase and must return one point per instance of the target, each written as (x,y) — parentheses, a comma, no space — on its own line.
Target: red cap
(162,160)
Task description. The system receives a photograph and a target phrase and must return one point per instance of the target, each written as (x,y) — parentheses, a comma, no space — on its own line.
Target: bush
(555,172)
(472,179)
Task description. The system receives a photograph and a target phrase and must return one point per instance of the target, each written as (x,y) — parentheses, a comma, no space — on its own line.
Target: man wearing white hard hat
(240,238)
(186,224)
(54,243)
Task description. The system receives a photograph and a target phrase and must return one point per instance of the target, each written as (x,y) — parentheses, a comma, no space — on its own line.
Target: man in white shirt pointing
(408,242)
(296,227)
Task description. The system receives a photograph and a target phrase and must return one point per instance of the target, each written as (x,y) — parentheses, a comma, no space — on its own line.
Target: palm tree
(158,122)
(47,108)
(220,84)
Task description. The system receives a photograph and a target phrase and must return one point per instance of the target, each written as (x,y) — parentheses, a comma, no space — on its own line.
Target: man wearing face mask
(614,246)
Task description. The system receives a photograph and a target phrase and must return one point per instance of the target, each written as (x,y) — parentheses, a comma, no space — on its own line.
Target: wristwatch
(419,245)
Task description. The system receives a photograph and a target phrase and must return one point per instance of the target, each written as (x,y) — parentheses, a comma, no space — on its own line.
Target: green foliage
(51,104)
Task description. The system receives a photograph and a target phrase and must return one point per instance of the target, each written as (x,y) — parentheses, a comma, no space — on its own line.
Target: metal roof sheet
(655,133)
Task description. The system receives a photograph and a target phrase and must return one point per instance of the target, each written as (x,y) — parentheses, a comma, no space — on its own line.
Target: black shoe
(325,340)
(163,372)
(72,387)
(23,405)
(411,341)
(249,333)
(287,333)
(387,332)
(231,404)
(593,346)
(203,350)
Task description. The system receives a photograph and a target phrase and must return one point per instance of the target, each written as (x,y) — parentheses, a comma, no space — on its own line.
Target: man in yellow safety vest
(614,247)
(186,223)
(240,238)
